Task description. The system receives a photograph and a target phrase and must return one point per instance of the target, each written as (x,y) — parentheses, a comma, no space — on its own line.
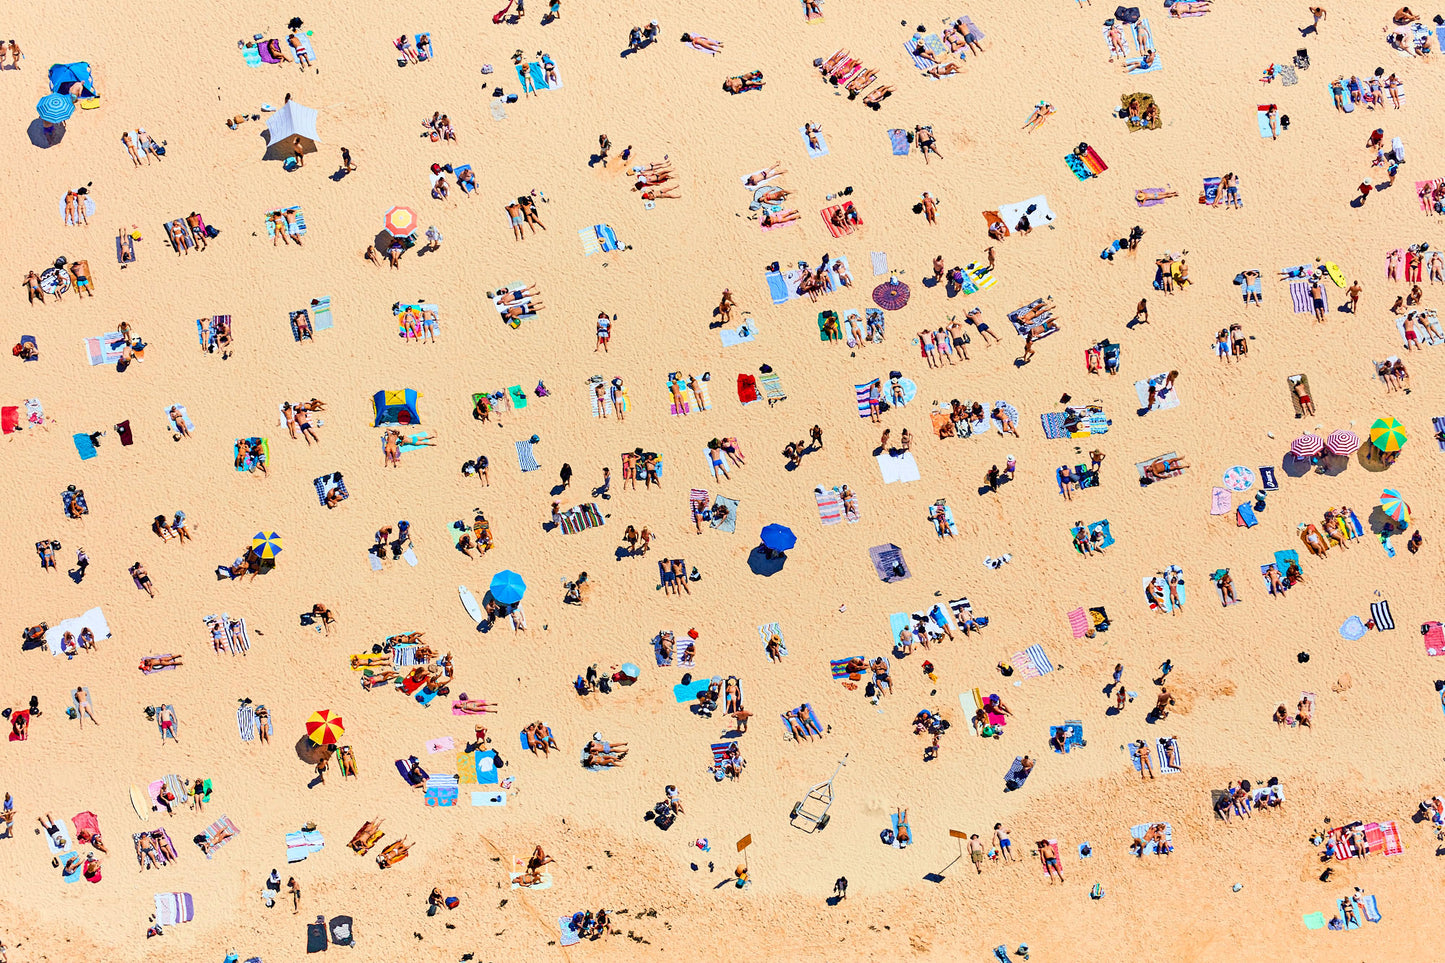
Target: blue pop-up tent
(64,76)
(396,407)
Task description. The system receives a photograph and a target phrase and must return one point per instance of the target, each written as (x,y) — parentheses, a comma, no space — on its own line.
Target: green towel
(519,397)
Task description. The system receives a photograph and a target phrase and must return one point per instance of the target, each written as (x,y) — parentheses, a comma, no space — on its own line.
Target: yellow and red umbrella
(400,221)
(325,728)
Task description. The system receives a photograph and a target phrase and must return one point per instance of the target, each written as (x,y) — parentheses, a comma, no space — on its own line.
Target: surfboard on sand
(140,802)
(1336,275)
(469,602)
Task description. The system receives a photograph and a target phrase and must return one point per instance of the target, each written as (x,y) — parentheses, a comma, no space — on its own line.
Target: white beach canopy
(292,124)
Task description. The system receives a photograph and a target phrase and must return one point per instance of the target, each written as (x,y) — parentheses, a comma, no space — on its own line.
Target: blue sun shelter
(65,77)
(396,407)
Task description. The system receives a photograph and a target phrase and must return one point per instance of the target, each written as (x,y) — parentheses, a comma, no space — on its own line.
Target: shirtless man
(1049,856)
(198,231)
(514,211)
(299,50)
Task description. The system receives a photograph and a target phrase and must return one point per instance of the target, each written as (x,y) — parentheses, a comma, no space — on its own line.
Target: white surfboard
(139,802)
(469,602)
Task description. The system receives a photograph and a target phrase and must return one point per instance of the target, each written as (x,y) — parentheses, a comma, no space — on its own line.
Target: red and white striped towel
(830,506)
(1079,622)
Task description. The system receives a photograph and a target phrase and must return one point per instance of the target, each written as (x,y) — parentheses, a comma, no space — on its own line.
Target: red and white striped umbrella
(1343,442)
(1306,446)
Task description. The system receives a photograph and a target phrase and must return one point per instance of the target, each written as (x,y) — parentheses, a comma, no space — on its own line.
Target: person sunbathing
(366,836)
(1041,113)
(878,96)
(703,43)
(1154,194)
(1188,9)
(151,663)
(606,759)
(942,70)
(1276,584)
(1145,63)
(863,79)
(209,846)
(473,706)
(766,174)
(529,878)
(791,717)
(881,678)
(752,80)
(393,854)
(376,661)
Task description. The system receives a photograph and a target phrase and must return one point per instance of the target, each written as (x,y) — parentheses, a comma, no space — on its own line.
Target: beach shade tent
(325,728)
(396,407)
(55,108)
(289,127)
(266,545)
(1343,442)
(779,538)
(400,221)
(1394,505)
(1306,446)
(1387,434)
(507,587)
(65,77)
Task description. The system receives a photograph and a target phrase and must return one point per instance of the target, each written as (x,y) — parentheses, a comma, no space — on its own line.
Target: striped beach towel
(1032,662)
(237,637)
(766,633)
(839,668)
(1299,296)
(862,393)
(223,824)
(879,262)
(697,499)
(1391,834)
(1079,622)
(830,506)
(404,655)
(1380,613)
(442,790)
(525,459)
(246,723)
(773,388)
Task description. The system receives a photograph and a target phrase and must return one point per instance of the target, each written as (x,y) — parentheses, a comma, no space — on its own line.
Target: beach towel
(1079,622)
(879,262)
(1267,479)
(898,468)
(1073,730)
(1138,833)
(570,936)
(1010,410)
(297,216)
(442,790)
(104,349)
(1162,402)
(746,331)
(808,713)
(861,394)
(173,908)
(830,506)
(778,288)
(1015,776)
(1211,190)
(1031,662)
(772,388)
(1380,614)
(888,562)
(185,418)
(899,140)
(1163,759)
(327,483)
(822,144)
(1314,921)
(896,823)
(1261,117)
(221,825)
(934,45)
(303,843)
(1299,296)
(526,460)
(1221,501)
(727,521)
(1433,632)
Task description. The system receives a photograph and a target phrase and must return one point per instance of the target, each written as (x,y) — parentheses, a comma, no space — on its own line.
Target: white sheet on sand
(1011,213)
(93,620)
(898,468)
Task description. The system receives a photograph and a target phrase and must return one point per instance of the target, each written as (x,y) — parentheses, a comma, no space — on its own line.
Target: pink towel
(1221,502)
(1434,639)
(443,744)
(1079,622)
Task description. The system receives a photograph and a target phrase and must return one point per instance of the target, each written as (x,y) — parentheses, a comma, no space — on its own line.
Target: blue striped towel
(525,458)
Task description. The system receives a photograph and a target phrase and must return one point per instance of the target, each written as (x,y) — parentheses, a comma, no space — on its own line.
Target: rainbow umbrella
(1343,442)
(325,728)
(1394,505)
(1306,446)
(1387,434)
(266,546)
(400,221)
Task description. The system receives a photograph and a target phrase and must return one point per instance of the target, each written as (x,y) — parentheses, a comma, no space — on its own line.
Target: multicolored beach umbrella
(266,546)
(400,221)
(1387,434)
(325,728)
(1394,505)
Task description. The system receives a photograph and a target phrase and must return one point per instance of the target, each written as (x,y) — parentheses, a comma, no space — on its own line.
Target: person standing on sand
(1353,292)
(295,891)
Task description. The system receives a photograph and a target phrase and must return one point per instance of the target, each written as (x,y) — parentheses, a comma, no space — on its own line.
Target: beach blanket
(1163,757)
(888,562)
(1299,296)
(830,506)
(746,331)
(822,143)
(727,521)
(1162,402)
(1139,831)
(93,619)
(173,908)
(1221,502)
(1015,776)
(898,138)
(898,468)
(1079,622)
(214,830)
(1380,614)
(1073,730)
(526,460)
(1031,662)
(303,843)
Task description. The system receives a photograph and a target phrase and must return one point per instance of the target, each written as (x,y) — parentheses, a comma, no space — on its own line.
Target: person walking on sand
(1319,14)
(840,888)
(1353,292)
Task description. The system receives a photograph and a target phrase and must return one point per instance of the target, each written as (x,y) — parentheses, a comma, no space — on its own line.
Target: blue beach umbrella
(779,538)
(507,587)
(55,108)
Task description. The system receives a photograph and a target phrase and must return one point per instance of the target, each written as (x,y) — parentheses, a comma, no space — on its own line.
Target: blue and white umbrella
(55,108)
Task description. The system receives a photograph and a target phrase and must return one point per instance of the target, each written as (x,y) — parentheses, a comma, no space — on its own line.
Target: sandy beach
(1251,878)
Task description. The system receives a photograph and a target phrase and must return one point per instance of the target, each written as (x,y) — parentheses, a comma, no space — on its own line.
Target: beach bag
(1127,14)
(1097,892)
